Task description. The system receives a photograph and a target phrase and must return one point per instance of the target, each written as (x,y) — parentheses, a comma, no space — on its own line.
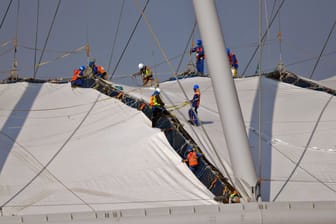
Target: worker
(235,197)
(233,62)
(146,73)
(195,102)
(91,68)
(200,56)
(101,72)
(157,106)
(76,79)
(95,70)
(192,159)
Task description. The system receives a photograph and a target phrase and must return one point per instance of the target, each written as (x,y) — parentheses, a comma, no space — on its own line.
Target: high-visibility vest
(100,69)
(146,72)
(196,99)
(153,101)
(75,74)
(192,159)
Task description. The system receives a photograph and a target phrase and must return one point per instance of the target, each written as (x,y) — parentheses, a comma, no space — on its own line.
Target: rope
(181,87)
(115,37)
(16,30)
(310,174)
(36,36)
(177,106)
(128,41)
(41,164)
(45,43)
(305,150)
(152,66)
(324,46)
(263,37)
(186,47)
(87,47)
(5,43)
(65,54)
(160,48)
(309,59)
(4,17)
(279,37)
(53,157)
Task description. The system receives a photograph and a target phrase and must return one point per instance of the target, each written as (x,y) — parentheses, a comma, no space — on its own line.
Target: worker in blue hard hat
(95,70)
(76,79)
(192,159)
(157,106)
(233,62)
(195,103)
(200,56)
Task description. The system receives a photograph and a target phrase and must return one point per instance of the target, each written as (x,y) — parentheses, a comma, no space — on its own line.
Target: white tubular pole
(226,98)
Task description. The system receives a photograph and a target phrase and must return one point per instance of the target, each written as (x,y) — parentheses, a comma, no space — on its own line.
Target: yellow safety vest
(153,101)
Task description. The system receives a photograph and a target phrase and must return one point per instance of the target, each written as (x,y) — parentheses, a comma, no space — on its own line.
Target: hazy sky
(304,24)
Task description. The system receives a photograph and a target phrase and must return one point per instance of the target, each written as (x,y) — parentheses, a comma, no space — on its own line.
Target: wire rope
(263,37)
(41,164)
(16,33)
(4,17)
(53,157)
(156,39)
(186,47)
(324,46)
(116,35)
(128,41)
(87,31)
(49,32)
(36,36)
(305,150)
(309,59)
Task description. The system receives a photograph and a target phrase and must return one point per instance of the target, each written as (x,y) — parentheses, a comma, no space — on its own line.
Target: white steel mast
(226,98)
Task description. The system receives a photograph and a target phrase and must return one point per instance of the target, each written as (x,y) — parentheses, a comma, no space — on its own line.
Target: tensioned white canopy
(289,116)
(98,154)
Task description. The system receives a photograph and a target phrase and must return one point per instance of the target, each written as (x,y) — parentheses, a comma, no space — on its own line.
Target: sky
(106,25)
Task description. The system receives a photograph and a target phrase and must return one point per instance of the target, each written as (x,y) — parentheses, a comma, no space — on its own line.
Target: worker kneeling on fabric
(192,159)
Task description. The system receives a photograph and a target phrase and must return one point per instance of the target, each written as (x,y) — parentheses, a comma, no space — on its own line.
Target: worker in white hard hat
(146,73)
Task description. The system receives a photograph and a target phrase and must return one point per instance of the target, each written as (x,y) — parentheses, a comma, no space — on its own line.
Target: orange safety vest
(192,159)
(198,94)
(100,69)
(75,74)
(153,101)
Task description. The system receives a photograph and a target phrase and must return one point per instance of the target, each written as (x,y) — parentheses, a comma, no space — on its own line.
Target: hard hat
(189,148)
(82,68)
(196,86)
(92,61)
(141,66)
(199,42)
